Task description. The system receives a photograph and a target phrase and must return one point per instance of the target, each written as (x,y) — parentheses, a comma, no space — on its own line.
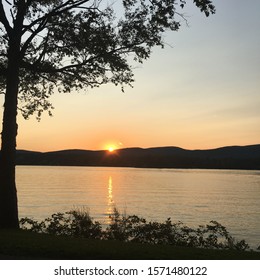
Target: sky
(201,91)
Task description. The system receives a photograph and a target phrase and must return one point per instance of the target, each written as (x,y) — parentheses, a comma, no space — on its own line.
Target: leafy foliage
(75,223)
(76,44)
(135,229)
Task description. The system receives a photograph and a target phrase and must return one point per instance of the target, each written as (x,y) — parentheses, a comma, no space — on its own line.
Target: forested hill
(232,157)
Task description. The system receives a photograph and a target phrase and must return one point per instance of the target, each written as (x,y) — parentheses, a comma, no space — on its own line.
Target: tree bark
(8,193)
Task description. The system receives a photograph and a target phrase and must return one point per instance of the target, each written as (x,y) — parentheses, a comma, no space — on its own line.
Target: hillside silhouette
(232,157)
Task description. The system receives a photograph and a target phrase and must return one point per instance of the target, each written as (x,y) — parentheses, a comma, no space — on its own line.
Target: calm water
(192,196)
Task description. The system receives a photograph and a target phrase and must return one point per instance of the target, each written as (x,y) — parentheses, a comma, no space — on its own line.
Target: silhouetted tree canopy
(71,45)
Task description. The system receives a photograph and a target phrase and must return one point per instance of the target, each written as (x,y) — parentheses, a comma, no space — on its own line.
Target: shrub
(75,223)
(135,229)
(78,223)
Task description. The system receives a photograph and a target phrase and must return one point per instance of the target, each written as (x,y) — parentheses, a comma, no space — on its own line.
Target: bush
(135,229)
(75,223)
(78,223)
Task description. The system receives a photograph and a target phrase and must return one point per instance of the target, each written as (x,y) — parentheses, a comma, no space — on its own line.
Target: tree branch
(4,20)
(45,45)
(8,2)
(40,27)
(55,12)
(42,21)
(127,49)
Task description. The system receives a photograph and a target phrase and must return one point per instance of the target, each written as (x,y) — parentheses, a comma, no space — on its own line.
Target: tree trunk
(8,194)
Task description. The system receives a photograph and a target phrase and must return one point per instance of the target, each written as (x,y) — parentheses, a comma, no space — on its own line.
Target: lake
(193,196)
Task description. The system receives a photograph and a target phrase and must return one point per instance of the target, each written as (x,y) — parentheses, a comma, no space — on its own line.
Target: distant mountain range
(232,157)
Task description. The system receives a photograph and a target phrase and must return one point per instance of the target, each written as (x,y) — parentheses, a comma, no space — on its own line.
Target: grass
(26,245)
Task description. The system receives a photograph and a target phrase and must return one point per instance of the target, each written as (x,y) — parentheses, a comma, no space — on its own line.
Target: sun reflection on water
(110,202)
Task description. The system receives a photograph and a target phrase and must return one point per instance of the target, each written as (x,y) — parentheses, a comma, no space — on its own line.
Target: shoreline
(141,167)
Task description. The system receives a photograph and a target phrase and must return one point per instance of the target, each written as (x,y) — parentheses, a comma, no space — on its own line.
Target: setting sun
(111,146)
(111,149)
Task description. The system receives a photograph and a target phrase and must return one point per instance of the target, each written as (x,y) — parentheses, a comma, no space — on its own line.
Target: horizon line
(143,148)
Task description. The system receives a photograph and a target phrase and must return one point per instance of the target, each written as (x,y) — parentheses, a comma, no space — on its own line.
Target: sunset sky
(201,91)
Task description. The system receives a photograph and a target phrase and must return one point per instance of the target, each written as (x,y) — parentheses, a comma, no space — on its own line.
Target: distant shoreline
(230,157)
(173,168)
